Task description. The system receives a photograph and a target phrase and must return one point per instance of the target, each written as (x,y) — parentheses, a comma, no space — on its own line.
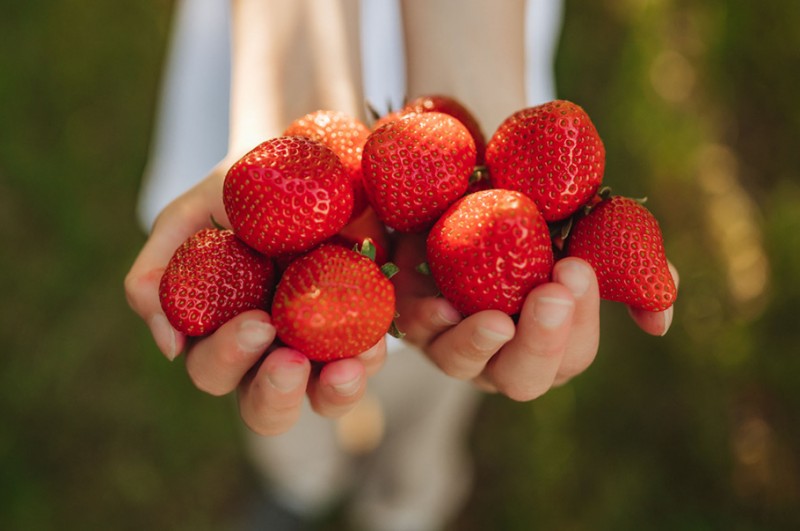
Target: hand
(240,355)
(555,339)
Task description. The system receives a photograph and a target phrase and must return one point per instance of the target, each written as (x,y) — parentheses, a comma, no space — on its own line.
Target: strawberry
(345,135)
(416,167)
(489,250)
(212,277)
(392,116)
(333,303)
(287,195)
(622,241)
(446,105)
(552,153)
(453,107)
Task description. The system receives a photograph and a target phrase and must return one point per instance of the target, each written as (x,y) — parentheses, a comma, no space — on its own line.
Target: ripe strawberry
(392,116)
(453,107)
(489,250)
(446,105)
(287,195)
(552,153)
(212,277)
(622,241)
(333,303)
(416,167)
(345,135)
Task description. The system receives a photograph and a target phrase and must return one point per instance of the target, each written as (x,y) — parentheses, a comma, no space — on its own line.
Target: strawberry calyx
(368,249)
(560,230)
(394,331)
(389,269)
(480,174)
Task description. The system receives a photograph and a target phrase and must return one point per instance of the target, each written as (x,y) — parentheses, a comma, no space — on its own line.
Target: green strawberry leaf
(394,331)
(367,249)
(389,269)
(423,268)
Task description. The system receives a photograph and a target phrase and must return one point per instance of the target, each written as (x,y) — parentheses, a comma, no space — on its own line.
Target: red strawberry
(212,277)
(392,116)
(489,250)
(552,153)
(333,303)
(346,136)
(622,241)
(453,107)
(416,167)
(287,195)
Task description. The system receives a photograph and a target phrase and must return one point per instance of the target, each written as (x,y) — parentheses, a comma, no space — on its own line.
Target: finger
(141,290)
(177,222)
(464,350)
(655,323)
(338,387)
(422,319)
(217,363)
(271,397)
(584,336)
(526,367)
(374,358)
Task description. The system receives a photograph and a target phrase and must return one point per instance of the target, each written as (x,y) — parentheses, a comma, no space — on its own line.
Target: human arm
(263,100)
(557,334)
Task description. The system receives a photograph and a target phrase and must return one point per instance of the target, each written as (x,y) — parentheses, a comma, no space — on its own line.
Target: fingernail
(446,315)
(287,378)
(551,312)
(487,340)
(254,336)
(667,319)
(369,354)
(348,387)
(576,276)
(164,335)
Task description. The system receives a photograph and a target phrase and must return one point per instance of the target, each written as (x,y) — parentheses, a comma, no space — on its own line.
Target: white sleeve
(382,54)
(543,20)
(191,126)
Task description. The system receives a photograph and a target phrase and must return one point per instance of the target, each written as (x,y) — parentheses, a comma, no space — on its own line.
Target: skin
(557,335)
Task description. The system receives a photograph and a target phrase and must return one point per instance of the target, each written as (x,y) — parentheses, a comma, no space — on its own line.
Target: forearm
(477,56)
(289,58)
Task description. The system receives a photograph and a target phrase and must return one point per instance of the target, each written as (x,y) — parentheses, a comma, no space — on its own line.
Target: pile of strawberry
(497,216)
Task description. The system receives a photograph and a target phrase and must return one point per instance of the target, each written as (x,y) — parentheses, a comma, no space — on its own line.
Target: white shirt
(191,131)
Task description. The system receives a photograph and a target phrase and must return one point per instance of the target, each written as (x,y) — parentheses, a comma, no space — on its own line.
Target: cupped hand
(241,355)
(555,338)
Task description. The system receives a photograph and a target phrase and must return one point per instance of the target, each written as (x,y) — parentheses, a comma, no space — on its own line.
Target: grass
(697,430)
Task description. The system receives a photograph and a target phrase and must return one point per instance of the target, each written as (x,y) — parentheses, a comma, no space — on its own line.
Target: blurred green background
(697,104)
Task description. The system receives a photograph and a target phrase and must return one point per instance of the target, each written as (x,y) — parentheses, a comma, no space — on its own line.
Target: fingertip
(345,377)
(169,341)
(338,388)
(576,274)
(374,358)
(444,314)
(286,370)
(653,323)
